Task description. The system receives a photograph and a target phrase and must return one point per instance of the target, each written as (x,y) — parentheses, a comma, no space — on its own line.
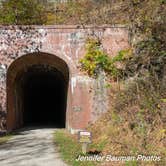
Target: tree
(27,12)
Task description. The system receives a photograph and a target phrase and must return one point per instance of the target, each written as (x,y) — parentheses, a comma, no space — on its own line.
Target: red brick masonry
(61,47)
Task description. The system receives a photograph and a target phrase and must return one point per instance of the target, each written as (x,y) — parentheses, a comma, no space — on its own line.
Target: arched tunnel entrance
(37,92)
(44,97)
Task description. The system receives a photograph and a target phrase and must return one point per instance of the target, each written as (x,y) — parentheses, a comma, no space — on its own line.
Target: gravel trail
(31,147)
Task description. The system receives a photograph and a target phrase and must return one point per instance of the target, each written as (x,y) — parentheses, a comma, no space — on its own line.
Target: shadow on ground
(32,146)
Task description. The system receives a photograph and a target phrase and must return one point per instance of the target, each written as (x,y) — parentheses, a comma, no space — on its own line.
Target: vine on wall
(97,60)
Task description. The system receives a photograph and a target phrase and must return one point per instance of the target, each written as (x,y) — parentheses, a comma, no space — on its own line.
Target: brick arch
(18,68)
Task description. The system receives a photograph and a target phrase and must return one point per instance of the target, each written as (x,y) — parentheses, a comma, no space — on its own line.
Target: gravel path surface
(31,147)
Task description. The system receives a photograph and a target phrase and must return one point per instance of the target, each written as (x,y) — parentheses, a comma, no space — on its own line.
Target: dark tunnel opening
(44,93)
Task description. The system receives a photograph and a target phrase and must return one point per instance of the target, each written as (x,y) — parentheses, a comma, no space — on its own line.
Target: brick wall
(68,44)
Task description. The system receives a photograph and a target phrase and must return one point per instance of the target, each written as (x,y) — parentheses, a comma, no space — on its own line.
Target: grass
(4,139)
(70,149)
(127,129)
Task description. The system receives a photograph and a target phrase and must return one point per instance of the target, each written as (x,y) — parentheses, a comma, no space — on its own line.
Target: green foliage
(69,149)
(100,145)
(4,139)
(122,55)
(96,60)
(164,100)
(85,12)
(131,163)
(25,12)
(147,22)
(147,65)
(145,92)
(116,119)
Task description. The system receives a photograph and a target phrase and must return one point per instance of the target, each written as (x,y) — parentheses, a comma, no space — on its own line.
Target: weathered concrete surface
(31,147)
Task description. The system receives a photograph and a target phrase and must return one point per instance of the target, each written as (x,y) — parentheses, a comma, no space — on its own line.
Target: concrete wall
(67,43)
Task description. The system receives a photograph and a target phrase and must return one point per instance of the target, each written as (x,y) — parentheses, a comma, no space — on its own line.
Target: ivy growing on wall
(96,60)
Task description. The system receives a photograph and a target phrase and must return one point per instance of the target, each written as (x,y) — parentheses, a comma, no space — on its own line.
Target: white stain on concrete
(73,84)
(80,79)
(3,70)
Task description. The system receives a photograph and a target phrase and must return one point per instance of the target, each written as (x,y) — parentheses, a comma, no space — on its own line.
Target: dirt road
(31,147)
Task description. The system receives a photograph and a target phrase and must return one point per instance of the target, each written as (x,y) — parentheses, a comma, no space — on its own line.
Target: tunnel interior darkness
(42,96)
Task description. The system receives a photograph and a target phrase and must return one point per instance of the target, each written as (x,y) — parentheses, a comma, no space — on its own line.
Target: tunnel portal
(37,86)
(43,92)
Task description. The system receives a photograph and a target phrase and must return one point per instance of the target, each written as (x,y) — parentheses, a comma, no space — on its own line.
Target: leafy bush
(26,12)
(96,60)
